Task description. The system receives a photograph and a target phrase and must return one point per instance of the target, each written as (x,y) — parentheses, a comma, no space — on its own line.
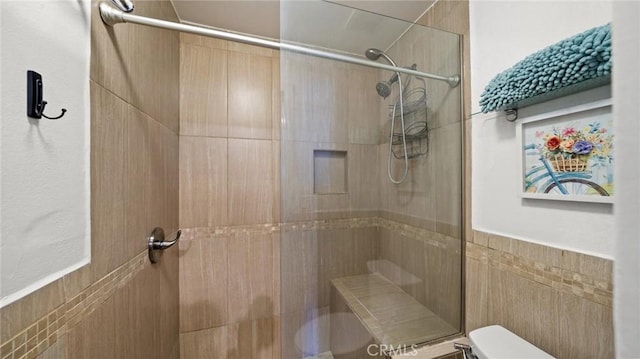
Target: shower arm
(112,16)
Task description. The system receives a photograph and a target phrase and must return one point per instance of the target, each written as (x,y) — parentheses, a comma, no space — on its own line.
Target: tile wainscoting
(559,300)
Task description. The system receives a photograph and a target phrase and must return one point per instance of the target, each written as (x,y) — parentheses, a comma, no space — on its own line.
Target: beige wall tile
(453,16)
(250,171)
(448,170)
(585,329)
(208,343)
(502,243)
(145,323)
(171,156)
(77,281)
(203,182)
(468,228)
(416,196)
(209,42)
(390,257)
(363,105)
(344,252)
(275,249)
(600,268)
(480,238)
(315,99)
(157,182)
(156,78)
(57,350)
(109,49)
(277,197)
(251,49)
(257,339)
(266,338)
(275,96)
(529,309)
(137,176)
(251,294)
(250,99)
(335,259)
(167,301)
(95,337)
(203,283)
(363,177)
(108,168)
(297,163)
(476,302)
(239,340)
(403,263)
(299,271)
(203,91)
(443,273)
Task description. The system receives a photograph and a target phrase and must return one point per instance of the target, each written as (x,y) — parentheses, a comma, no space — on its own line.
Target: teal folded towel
(581,57)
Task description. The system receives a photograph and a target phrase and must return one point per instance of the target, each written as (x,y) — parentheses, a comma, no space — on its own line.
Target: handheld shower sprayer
(384,89)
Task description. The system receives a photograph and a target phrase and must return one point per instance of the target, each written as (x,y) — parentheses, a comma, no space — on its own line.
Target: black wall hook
(35,103)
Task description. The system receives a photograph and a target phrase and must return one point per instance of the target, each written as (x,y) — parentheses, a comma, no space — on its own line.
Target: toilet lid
(496,342)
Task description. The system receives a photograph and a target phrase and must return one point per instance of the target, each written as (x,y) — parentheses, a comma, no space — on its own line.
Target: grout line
(135,107)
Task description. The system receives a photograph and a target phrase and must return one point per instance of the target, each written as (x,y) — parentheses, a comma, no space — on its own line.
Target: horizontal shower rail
(112,16)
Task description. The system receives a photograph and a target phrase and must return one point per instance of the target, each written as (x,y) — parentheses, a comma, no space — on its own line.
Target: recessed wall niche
(329,172)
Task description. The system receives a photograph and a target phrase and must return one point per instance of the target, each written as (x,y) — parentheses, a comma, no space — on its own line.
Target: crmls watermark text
(384,349)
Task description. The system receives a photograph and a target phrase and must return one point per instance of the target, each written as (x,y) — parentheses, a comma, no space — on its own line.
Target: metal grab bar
(112,16)
(156,243)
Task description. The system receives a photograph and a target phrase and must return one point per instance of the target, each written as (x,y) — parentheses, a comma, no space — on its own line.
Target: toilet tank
(496,342)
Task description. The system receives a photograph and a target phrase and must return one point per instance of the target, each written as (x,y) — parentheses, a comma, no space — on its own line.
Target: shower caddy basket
(415,123)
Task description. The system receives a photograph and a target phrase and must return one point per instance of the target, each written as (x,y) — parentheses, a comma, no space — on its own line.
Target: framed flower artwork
(568,154)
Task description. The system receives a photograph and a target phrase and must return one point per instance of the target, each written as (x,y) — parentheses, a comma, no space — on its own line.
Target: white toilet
(496,342)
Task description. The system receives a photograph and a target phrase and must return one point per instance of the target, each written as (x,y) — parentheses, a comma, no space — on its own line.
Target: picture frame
(568,154)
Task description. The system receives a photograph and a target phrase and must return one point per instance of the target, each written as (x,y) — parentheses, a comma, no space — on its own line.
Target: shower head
(383,88)
(374,55)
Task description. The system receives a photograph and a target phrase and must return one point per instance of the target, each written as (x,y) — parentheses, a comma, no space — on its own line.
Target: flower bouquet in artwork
(572,150)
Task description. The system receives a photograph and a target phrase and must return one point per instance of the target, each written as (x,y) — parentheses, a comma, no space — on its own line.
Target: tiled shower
(283,189)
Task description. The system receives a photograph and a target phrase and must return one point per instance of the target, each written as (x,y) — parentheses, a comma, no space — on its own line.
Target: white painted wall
(626,90)
(44,175)
(503,33)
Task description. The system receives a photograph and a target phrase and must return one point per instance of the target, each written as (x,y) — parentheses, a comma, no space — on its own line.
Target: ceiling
(343,25)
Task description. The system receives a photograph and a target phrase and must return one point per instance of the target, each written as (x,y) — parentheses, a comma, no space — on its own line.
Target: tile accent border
(42,334)
(582,275)
(265,229)
(433,238)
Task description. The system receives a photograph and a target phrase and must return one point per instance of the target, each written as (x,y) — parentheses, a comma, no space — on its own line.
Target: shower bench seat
(389,314)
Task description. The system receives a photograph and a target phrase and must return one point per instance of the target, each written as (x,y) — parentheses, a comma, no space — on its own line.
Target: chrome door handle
(156,243)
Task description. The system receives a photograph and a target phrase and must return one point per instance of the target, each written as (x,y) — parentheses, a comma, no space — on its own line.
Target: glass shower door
(368,265)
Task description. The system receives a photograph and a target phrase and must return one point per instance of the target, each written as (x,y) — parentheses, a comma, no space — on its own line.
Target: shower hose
(404,139)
